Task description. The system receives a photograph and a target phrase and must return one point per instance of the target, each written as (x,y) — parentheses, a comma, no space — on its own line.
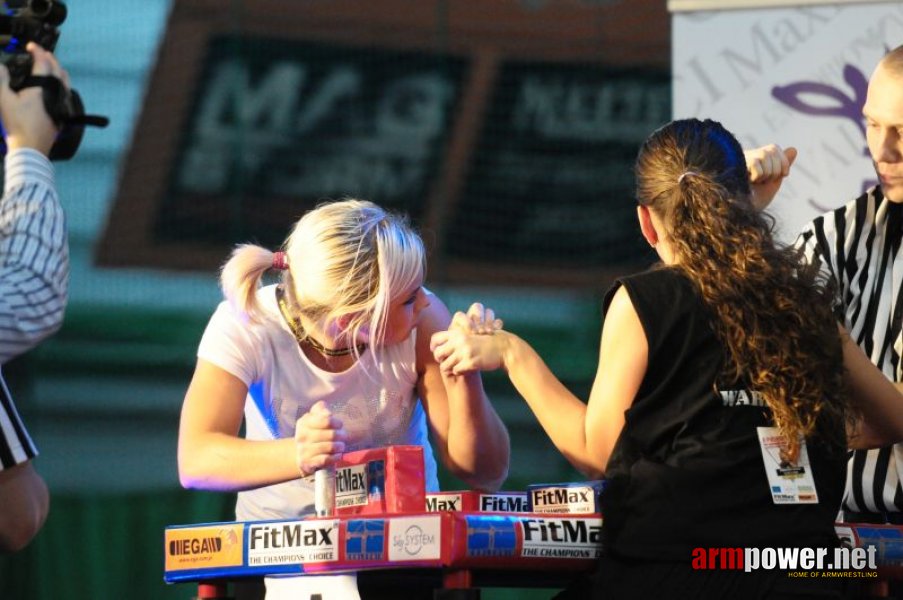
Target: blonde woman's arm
(470,437)
(212,456)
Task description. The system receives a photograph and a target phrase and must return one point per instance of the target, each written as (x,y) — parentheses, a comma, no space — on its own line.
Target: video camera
(23,21)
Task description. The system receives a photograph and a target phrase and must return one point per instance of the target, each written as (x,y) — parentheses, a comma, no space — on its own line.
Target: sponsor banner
(561,538)
(380,480)
(531,108)
(569,498)
(475,540)
(365,540)
(681,5)
(292,542)
(795,76)
(885,540)
(218,545)
(509,502)
(454,501)
(351,486)
(415,538)
(473,501)
(846,535)
(491,537)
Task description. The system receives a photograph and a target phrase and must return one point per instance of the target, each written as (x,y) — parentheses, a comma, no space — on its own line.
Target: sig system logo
(491,536)
(365,539)
(415,538)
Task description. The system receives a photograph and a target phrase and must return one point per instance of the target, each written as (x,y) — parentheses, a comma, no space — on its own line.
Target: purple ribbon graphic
(802,95)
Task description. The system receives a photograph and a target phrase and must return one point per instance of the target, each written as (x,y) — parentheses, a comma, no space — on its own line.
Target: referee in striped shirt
(859,245)
(34,274)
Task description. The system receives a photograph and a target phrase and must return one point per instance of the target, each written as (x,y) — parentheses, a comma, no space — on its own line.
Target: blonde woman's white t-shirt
(377,403)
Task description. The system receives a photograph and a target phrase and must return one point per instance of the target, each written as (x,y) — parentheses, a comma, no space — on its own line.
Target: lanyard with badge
(789,482)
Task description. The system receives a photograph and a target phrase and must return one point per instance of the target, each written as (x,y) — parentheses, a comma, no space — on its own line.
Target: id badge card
(790,483)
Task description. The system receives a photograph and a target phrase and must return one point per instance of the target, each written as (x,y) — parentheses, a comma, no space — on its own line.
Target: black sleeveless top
(687,470)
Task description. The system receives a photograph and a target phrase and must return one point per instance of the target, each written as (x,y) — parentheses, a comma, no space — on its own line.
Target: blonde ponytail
(240,277)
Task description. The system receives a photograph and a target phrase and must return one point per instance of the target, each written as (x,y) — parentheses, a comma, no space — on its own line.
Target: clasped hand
(469,344)
(319,439)
(320,436)
(767,167)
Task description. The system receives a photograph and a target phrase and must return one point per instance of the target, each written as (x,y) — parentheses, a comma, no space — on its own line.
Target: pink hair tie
(280,261)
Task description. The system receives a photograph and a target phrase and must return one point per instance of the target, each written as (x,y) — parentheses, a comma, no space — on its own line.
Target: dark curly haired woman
(726,396)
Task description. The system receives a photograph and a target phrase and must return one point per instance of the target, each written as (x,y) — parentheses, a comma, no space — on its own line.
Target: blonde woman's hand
(319,439)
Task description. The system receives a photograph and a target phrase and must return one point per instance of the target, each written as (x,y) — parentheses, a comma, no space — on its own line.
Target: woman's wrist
(508,351)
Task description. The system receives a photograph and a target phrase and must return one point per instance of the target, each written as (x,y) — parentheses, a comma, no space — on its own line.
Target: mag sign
(504,129)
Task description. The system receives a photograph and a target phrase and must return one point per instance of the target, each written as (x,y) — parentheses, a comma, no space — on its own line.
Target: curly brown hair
(771,310)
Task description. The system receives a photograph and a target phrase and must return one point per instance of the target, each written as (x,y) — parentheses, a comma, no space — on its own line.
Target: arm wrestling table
(461,551)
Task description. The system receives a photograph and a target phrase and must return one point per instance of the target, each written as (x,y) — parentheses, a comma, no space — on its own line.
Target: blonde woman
(334,358)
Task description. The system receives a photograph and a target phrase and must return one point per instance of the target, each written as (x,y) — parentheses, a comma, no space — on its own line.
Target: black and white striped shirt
(859,244)
(34,277)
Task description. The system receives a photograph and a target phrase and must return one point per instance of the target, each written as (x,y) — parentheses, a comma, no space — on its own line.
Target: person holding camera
(34,275)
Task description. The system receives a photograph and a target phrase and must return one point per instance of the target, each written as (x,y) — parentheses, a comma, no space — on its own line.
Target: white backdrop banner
(794,76)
